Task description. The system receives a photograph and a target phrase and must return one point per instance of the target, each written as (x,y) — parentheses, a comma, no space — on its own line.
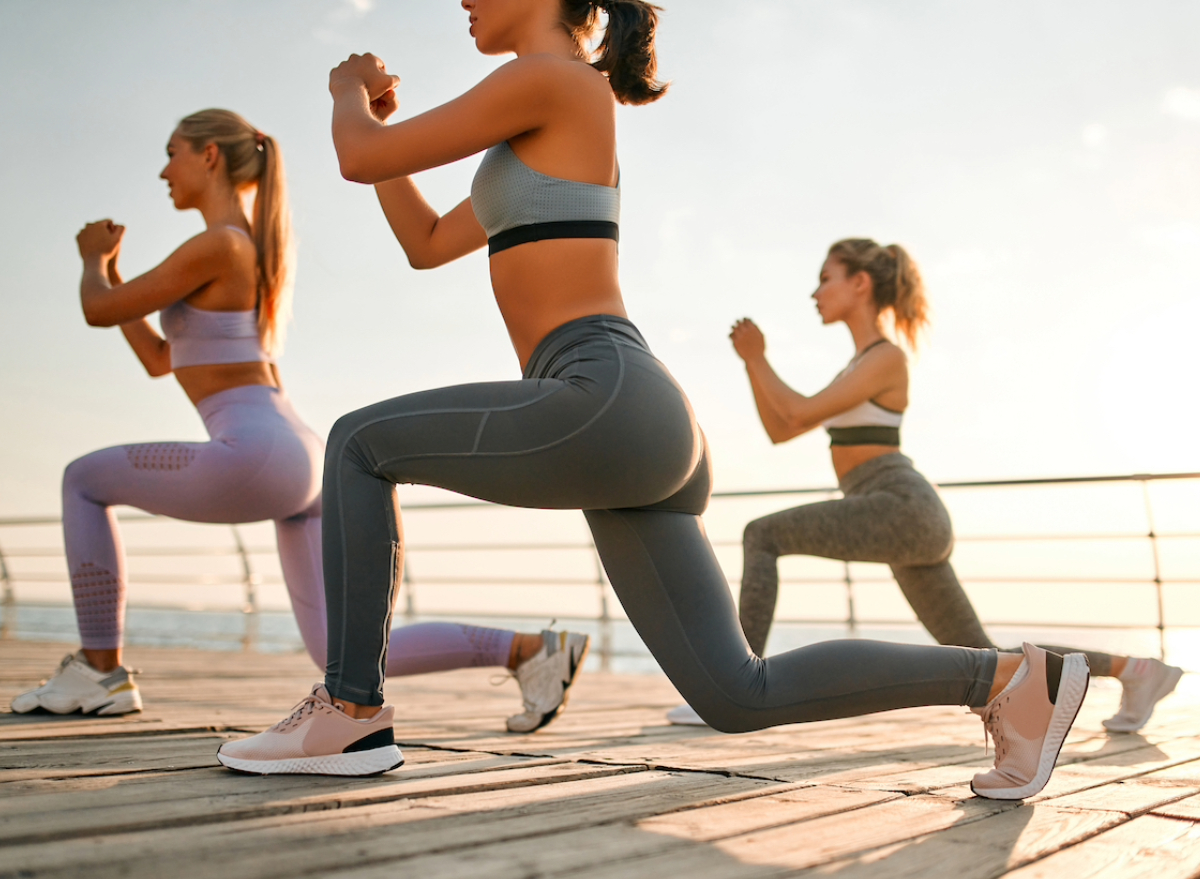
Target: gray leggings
(889,513)
(597,424)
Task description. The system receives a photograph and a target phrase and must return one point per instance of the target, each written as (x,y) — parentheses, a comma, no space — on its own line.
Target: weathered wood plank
(1149,847)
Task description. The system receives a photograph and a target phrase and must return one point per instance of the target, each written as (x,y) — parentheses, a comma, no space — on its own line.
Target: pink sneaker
(1029,721)
(317,739)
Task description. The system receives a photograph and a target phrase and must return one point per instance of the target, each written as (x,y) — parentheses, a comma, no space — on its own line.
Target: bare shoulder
(554,75)
(887,358)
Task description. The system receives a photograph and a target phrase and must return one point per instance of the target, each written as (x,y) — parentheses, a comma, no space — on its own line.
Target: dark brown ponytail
(626,52)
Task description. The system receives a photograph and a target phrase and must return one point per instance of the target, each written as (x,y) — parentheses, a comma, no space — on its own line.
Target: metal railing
(250,580)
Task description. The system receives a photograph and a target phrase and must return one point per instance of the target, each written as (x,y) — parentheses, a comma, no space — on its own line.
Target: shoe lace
(302,709)
(992,728)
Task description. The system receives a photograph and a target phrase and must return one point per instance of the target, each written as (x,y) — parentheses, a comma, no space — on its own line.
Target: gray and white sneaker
(546,678)
(76,686)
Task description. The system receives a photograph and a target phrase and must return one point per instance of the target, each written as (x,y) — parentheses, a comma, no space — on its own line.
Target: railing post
(410,597)
(605,617)
(251,581)
(851,617)
(1158,583)
(9,602)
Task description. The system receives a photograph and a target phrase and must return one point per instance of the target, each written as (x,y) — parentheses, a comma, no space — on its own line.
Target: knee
(343,444)
(77,475)
(724,718)
(756,536)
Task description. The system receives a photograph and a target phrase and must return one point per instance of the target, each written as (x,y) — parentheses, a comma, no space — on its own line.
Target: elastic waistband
(243,395)
(598,327)
(864,472)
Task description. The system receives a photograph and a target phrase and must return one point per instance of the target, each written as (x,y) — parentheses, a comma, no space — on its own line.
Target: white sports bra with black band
(868,423)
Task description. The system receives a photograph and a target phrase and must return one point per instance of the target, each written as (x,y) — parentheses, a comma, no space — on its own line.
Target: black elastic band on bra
(864,436)
(543,231)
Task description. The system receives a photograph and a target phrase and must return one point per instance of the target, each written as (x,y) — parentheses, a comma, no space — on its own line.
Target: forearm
(151,349)
(781,409)
(93,287)
(353,127)
(413,220)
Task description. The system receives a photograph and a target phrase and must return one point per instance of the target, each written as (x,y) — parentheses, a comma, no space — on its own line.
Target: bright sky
(1041,161)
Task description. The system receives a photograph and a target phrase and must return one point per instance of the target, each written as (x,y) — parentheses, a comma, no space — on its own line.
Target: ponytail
(253,158)
(895,283)
(626,53)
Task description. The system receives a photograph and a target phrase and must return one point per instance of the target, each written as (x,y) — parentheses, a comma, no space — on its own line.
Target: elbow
(353,173)
(353,168)
(97,319)
(422,261)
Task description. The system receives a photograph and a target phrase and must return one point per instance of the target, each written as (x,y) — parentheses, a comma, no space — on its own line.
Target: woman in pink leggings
(223,299)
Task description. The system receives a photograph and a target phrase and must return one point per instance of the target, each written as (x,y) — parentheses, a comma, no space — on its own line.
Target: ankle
(1119,664)
(1006,666)
(524,648)
(102,661)
(353,709)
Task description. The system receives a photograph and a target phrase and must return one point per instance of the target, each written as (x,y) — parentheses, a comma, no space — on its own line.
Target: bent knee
(727,718)
(757,535)
(79,473)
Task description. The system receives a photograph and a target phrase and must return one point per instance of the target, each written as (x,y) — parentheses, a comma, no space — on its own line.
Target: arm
(519,97)
(196,263)
(152,349)
(428,240)
(786,413)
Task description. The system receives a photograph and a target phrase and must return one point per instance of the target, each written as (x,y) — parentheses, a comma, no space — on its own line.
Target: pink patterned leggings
(261,463)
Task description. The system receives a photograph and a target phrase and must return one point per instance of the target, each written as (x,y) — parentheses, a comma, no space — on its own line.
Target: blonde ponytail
(253,158)
(895,282)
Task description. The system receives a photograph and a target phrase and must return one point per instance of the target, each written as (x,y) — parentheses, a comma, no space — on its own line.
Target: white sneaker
(1144,685)
(546,678)
(685,715)
(76,686)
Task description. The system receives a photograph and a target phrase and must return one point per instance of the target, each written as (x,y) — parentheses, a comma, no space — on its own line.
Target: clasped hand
(371,73)
(748,339)
(100,239)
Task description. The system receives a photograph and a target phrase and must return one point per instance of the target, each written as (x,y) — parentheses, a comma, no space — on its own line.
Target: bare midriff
(199,382)
(544,284)
(846,458)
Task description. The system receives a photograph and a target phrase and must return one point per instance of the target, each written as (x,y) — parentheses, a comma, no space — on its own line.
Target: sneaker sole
(1073,686)
(576,668)
(356,763)
(1165,689)
(125,702)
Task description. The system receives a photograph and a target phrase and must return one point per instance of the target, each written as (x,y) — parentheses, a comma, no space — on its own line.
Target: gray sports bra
(516,204)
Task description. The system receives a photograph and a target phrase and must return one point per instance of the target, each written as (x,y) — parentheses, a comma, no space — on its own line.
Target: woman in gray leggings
(889,512)
(595,423)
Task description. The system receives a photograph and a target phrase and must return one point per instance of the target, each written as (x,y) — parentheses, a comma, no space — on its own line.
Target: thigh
(859,528)
(598,442)
(198,482)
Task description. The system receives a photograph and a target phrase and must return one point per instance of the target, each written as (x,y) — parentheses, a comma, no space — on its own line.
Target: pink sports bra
(200,337)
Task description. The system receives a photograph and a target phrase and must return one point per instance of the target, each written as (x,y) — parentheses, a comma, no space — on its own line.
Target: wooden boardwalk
(608,790)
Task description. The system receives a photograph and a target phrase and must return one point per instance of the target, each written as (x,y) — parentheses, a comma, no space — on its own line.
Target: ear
(211,154)
(862,284)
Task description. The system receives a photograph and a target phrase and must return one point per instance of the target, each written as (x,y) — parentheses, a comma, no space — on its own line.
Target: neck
(546,38)
(866,331)
(221,206)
